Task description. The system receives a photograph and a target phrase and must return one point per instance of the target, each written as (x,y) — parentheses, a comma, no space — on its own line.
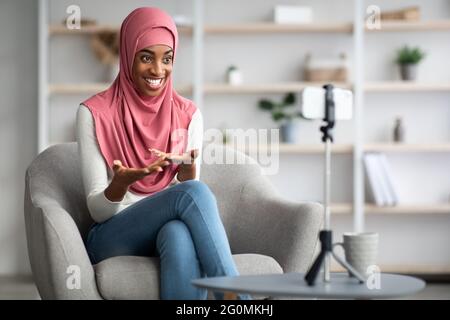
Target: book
(374,181)
(383,180)
(389,178)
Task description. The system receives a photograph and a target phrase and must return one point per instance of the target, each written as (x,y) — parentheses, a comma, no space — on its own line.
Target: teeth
(153,81)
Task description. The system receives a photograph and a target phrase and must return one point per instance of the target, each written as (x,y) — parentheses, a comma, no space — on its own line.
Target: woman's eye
(167,60)
(145,59)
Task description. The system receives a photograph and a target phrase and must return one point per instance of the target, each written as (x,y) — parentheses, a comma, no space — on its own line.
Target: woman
(138,143)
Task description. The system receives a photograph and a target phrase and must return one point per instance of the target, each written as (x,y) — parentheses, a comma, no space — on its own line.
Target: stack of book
(380,181)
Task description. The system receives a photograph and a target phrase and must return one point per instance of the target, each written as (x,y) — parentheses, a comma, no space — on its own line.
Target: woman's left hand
(187,158)
(187,168)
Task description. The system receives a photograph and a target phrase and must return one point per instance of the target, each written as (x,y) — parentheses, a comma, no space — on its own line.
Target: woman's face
(151,68)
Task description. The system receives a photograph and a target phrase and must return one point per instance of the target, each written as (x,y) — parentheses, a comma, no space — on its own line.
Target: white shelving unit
(198,89)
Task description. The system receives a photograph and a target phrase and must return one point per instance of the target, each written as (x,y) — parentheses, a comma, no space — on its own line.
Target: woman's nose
(157,69)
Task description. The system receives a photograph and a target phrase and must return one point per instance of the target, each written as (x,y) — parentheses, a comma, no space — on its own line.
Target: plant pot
(234,77)
(288,132)
(408,72)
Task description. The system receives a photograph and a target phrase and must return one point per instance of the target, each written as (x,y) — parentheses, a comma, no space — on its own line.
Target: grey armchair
(267,234)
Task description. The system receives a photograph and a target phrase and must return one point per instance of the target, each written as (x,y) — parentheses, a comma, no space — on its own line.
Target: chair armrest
(266,223)
(54,244)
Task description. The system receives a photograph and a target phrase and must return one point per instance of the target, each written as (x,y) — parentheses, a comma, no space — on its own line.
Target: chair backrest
(226,172)
(54,178)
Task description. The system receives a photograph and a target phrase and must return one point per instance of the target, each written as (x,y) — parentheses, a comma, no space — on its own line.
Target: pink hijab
(126,123)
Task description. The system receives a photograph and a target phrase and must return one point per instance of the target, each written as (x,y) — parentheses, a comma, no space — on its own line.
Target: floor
(24,289)
(18,289)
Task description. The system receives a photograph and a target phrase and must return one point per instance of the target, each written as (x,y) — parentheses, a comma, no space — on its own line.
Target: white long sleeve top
(97,175)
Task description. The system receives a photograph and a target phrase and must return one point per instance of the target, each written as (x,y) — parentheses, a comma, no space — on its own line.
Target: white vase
(234,77)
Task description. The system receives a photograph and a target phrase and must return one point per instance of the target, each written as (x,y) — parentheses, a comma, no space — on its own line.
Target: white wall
(18,110)
(262,58)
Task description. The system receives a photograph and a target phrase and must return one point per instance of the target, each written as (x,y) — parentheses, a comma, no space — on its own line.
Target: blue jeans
(182,226)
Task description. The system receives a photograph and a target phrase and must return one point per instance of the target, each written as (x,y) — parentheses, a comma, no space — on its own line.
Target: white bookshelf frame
(43,95)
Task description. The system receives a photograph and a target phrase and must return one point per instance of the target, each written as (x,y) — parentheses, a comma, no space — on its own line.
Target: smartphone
(313,103)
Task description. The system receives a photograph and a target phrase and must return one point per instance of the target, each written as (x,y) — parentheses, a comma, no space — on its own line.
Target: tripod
(325,235)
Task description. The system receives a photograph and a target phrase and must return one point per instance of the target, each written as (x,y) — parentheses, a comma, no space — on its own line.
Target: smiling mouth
(154,84)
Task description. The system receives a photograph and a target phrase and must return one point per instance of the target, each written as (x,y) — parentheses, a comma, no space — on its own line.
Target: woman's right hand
(127,176)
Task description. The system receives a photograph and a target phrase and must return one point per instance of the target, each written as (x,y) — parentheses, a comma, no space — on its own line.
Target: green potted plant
(284,113)
(408,58)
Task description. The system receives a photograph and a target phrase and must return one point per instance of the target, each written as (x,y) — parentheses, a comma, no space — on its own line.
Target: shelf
(401,86)
(409,209)
(268,27)
(219,88)
(400,26)
(267,88)
(314,149)
(77,88)
(73,88)
(337,27)
(387,86)
(88,30)
(274,88)
(63,30)
(346,208)
(221,29)
(341,208)
(405,269)
(290,148)
(403,147)
(412,209)
(328,27)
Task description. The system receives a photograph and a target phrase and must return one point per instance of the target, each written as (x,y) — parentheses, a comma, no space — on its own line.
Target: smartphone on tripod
(312,104)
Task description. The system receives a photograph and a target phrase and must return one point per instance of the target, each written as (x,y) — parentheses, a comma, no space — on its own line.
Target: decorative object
(326,69)
(106,47)
(399,130)
(407,59)
(223,130)
(408,14)
(234,76)
(284,113)
(292,14)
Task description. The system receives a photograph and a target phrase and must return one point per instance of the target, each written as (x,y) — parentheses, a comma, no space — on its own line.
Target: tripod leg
(311,276)
(349,268)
